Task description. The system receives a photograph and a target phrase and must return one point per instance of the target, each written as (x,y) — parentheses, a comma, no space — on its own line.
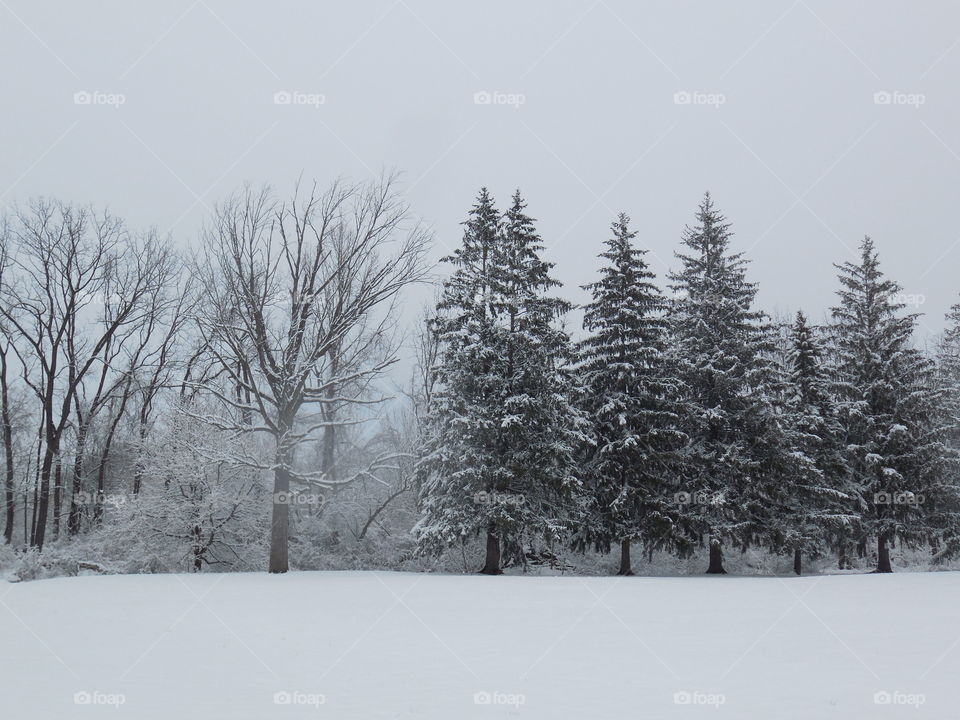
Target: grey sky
(783,125)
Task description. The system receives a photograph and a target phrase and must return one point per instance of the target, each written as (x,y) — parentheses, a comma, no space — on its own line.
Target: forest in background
(230,408)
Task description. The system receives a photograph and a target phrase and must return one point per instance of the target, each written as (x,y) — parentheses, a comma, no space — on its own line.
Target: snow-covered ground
(383,645)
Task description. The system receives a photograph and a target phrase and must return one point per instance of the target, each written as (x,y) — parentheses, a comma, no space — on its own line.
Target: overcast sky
(159,110)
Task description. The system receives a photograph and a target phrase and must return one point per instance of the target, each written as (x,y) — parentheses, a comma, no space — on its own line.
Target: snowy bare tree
(288,284)
(6,411)
(80,292)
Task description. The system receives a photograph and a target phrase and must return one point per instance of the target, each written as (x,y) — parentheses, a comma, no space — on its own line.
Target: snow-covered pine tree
(948,373)
(723,350)
(502,430)
(628,399)
(889,409)
(818,498)
(948,383)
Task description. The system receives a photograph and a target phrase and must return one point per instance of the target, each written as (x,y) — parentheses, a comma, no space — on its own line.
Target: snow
(394,645)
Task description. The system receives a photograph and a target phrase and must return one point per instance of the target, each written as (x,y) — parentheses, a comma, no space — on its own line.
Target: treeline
(195,401)
(229,407)
(681,419)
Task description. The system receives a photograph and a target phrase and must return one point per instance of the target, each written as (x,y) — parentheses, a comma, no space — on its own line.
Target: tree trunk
(491,565)
(140,468)
(73,519)
(883,555)
(197,549)
(797,561)
(842,562)
(6,425)
(57,498)
(98,500)
(625,568)
(43,499)
(716,559)
(8,498)
(280,523)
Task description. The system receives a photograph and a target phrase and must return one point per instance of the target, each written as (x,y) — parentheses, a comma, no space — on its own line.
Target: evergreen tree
(723,349)
(948,384)
(816,489)
(889,410)
(628,397)
(948,373)
(502,431)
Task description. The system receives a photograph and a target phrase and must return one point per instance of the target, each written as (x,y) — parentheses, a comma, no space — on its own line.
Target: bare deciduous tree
(80,291)
(288,284)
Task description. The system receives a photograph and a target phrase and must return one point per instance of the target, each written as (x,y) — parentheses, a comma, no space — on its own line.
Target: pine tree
(723,348)
(889,410)
(628,397)
(502,431)
(948,384)
(816,489)
(948,373)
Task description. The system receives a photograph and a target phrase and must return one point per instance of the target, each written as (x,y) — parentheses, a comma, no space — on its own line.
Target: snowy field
(381,645)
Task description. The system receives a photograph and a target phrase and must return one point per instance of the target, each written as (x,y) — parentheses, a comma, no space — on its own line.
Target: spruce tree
(722,348)
(948,373)
(817,495)
(502,431)
(889,410)
(460,429)
(948,384)
(628,397)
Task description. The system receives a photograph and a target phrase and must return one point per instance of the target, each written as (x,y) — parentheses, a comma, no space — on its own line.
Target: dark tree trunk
(280,524)
(797,561)
(862,549)
(716,559)
(491,565)
(57,498)
(842,562)
(883,556)
(6,425)
(26,524)
(73,519)
(140,469)
(625,568)
(197,549)
(43,498)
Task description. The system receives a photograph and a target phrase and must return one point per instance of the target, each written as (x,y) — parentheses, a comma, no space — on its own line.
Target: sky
(811,123)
